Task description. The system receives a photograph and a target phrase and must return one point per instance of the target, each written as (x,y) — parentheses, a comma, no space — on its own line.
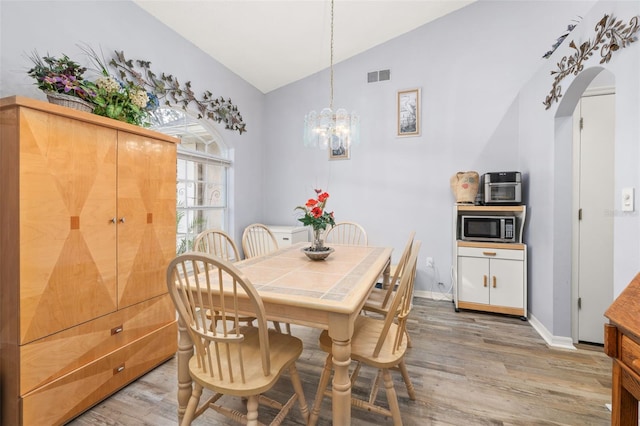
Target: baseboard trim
(434,295)
(553,341)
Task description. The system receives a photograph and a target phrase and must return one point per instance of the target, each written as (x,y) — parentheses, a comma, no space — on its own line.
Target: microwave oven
(501,188)
(500,229)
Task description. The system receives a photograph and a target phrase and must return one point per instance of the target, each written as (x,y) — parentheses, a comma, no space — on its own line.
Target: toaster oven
(502,188)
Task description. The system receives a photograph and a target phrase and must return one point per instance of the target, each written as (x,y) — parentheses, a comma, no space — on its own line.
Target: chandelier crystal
(331,129)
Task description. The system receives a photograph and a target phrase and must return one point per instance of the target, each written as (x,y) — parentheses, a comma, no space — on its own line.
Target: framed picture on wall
(409,112)
(341,152)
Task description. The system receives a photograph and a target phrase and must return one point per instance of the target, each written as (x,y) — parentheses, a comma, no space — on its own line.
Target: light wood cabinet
(490,276)
(87,211)
(622,343)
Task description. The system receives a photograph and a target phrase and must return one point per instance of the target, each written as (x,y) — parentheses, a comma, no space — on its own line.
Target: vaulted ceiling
(271,43)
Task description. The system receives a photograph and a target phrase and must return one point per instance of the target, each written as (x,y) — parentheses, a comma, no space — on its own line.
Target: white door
(596,210)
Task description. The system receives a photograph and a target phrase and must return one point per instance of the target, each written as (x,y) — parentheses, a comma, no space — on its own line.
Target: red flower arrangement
(316,216)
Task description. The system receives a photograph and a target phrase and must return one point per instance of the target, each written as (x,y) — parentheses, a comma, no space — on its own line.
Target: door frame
(575,204)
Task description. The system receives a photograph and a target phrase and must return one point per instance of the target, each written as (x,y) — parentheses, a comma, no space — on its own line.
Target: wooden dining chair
(346,233)
(258,240)
(230,359)
(379,343)
(380,298)
(217,243)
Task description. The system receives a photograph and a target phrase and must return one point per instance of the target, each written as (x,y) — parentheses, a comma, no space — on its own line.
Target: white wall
(471,67)
(58,27)
(483,83)
(545,144)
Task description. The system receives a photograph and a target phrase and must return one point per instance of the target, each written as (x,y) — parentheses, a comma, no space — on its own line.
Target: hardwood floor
(468,368)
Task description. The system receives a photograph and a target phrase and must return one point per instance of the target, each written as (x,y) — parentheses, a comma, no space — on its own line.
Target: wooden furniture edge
(491,308)
(499,208)
(21,101)
(478,244)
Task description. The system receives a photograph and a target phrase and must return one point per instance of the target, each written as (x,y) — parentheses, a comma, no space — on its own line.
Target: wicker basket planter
(70,101)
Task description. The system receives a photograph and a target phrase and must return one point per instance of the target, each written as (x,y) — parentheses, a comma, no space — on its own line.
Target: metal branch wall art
(611,35)
(175,94)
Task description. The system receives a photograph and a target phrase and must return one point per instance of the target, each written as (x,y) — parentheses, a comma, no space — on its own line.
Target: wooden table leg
(185,384)
(386,274)
(341,385)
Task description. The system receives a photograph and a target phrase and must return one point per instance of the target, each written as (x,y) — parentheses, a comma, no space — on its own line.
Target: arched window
(202,178)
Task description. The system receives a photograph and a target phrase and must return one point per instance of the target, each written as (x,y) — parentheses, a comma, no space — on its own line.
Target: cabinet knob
(113,220)
(122,219)
(118,369)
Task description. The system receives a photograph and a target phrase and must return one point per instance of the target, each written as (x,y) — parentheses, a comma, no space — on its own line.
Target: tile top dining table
(327,294)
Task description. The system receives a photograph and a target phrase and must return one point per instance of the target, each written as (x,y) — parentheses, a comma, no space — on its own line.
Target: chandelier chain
(331,59)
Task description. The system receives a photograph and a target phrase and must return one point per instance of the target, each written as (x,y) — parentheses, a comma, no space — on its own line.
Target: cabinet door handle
(285,238)
(494,281)
(484,280)
(122,219)
(113,220)
(116,330)
(118,369)
(489,253)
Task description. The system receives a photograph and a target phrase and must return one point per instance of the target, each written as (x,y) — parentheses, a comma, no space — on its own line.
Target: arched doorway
(586,307)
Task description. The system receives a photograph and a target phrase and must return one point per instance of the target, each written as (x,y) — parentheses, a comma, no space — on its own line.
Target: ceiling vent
(381,75)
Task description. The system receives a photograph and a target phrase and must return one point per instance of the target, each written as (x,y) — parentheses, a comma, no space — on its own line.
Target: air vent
(381,75)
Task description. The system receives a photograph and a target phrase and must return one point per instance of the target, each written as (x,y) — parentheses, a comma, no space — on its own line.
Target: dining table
(325,294)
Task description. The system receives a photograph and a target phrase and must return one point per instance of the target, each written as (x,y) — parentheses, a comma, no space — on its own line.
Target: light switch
(627,199)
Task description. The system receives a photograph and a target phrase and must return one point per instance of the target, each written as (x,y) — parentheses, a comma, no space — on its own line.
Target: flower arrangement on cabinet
(317,217)
(118,99)
(60,75)
(131,93)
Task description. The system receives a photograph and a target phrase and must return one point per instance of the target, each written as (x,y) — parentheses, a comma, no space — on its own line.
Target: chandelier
(331,129)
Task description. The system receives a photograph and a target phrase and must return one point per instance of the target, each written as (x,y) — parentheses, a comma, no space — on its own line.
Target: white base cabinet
(492,278)
(288,235)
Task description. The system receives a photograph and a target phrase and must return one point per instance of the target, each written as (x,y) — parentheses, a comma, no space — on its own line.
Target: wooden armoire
(88,227)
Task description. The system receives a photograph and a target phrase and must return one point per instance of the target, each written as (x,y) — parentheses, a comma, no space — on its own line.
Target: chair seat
(375,299)
(366,333)
(284,350)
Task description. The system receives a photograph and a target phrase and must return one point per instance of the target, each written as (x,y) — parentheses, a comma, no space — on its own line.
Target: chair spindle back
(258,240)
(200,282)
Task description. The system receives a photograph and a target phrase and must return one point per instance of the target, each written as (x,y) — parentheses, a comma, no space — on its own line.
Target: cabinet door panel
(473,280)
(509,289)
(147,216)
(67,242)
